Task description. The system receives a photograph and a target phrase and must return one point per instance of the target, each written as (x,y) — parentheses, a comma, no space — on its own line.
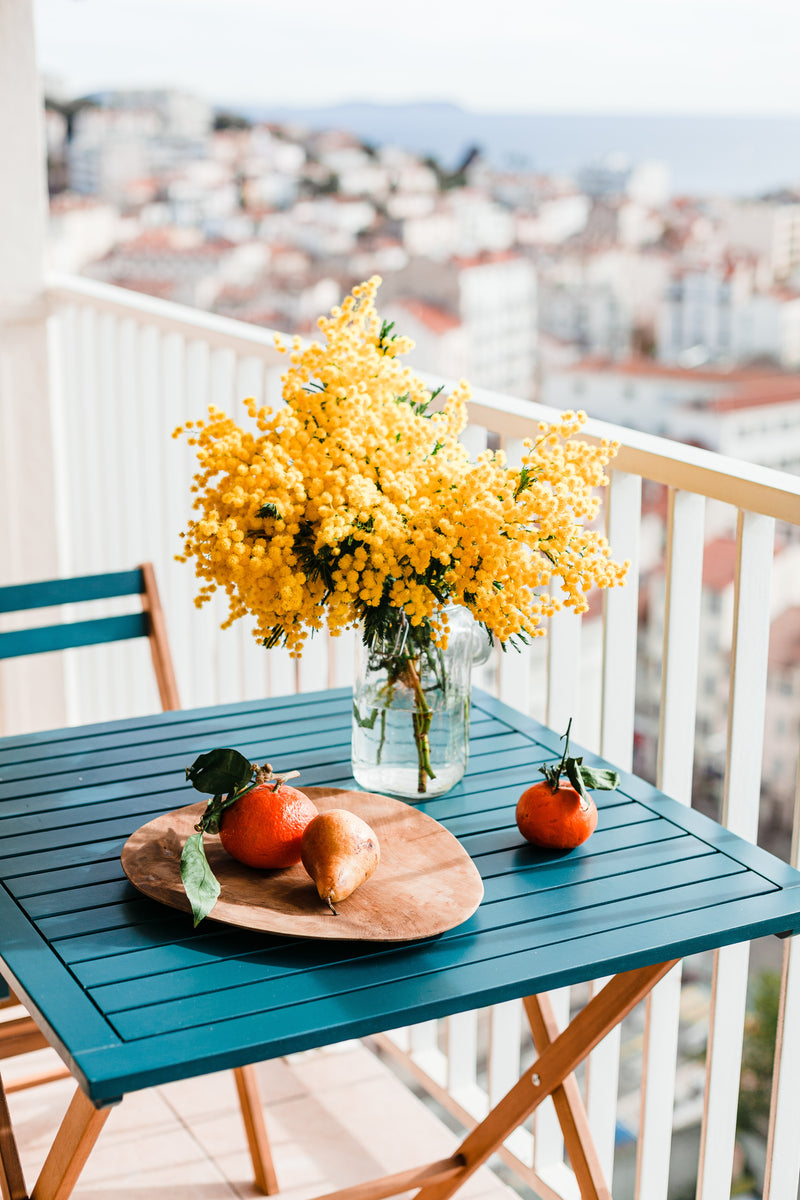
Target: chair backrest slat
(22,596)
(18,642)
(147,622)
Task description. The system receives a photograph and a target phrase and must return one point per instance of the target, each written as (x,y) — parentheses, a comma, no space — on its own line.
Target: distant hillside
(730,155)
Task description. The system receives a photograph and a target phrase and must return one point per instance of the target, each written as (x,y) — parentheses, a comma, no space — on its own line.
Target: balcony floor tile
(335,1117)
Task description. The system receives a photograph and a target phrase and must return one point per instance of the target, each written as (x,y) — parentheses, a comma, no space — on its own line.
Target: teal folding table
(126,991)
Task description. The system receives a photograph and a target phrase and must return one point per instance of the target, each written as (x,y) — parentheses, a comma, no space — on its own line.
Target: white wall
(30,547)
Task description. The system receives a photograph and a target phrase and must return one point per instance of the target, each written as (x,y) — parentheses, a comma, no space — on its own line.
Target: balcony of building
(93,380)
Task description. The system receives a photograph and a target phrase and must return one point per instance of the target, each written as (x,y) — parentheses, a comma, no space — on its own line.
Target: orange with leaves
(559,814)
(260,821)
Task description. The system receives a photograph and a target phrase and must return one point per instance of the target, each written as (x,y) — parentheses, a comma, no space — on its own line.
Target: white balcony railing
(126,369)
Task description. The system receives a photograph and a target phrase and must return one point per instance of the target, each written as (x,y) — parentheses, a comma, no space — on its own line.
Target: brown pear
(340,852)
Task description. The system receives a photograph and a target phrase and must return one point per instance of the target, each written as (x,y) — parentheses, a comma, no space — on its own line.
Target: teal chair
(19,1034)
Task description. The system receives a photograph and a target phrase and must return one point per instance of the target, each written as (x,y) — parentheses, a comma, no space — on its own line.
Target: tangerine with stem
(265,826)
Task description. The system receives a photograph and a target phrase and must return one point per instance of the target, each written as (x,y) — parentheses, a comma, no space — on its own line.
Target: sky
(526,56)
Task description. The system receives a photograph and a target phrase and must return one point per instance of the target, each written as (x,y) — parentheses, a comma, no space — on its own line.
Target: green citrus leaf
(599,779)
(575,775)
(199,881)
(219,771)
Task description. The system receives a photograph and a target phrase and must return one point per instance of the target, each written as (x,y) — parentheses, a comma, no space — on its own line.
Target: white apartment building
(109,149)
(202,194)
(134,134)
(554,219)
(592,317)
(179,265)
(635,392)
(767,228)
(637,224)
(695,319)
(81,229)
(720,314)
(616,175)
(601,297)
(757,420)
(494,298)
(267,167)
(482,225)
(465,222)
(439,337)
(498,307)
(406,173)
(357,173)
(182,115)
(767,326)
(748,414)
(431,234)
(325,226)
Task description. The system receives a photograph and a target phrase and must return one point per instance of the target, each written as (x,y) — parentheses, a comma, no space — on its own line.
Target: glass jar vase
(411,706)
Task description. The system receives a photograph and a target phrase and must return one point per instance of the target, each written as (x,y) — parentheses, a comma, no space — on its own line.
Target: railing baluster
(755,538)
(782,1175)
(684,577)
(513,670)
(249,381)
(151,426)
(425,1051)
(126,399)
(64,404)
(618,691)
(684,572)
(92,671)
(505,1042)
(621,619)
(341,653)
(179,587)
(229,651)
(282,672)
(313,666)
(203,680)
(548,1142)
(564,672)
(462,1064)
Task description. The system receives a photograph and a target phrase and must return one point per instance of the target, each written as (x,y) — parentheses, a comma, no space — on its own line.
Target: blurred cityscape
(675,315)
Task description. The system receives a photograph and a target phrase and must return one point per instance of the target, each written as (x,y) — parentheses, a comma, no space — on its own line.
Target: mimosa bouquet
(355,504)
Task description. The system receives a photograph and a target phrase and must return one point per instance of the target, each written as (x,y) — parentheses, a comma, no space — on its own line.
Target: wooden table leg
(12,1181)
(257,1139)
(73,1144)
(556,1062)
(569,1106)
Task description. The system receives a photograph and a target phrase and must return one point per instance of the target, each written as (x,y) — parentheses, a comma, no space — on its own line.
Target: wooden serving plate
(425,882)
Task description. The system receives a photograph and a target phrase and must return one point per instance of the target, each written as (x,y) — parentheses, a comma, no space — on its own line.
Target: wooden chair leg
(73,1144)
(557,1061)
(12,1181)
(257,1140)
(572,1118)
